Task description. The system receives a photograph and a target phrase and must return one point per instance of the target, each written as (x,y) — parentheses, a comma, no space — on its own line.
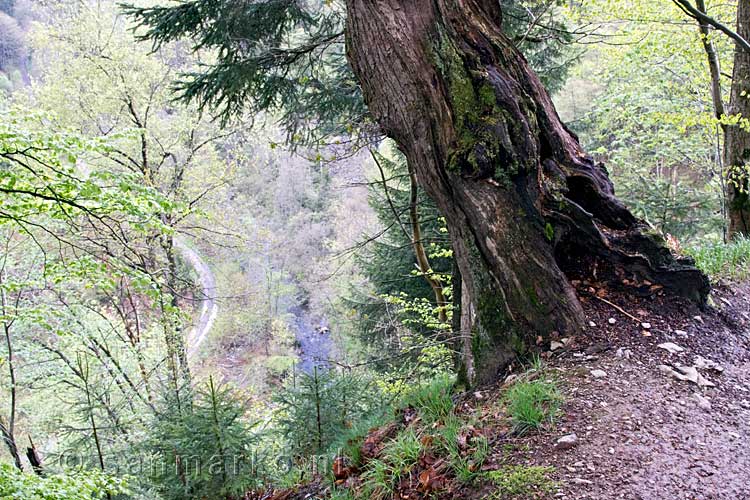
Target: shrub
(531,404)
(314,410)
(207,451)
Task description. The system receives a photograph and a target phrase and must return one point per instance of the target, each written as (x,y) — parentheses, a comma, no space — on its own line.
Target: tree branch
(692,11)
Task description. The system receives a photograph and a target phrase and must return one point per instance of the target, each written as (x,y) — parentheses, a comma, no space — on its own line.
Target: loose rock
(687,373)
(555,345)
(598,373)
(578,480)
(703,403)
(672,348)
(706,364)
(567,442)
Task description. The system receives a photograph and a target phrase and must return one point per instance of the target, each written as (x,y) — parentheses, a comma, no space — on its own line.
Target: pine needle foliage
(207,451)
(539,32)
(315,409)
(281,56)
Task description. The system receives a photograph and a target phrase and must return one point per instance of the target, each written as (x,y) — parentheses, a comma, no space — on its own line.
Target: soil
(641,432)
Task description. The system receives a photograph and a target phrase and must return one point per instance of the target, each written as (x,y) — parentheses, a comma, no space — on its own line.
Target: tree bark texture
(737,143)
(524,203)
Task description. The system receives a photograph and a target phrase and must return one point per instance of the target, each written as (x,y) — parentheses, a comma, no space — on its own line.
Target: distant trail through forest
(209,307)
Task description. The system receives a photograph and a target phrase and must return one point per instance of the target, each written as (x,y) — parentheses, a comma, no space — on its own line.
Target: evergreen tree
(441,78)
(543,37)
(315,409)
(207,451)
(288,57)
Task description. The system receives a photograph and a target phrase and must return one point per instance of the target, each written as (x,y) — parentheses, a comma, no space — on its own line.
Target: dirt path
(643,434)
(209,308)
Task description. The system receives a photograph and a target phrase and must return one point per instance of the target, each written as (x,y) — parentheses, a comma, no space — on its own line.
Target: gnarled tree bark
(524,203)
(737,137)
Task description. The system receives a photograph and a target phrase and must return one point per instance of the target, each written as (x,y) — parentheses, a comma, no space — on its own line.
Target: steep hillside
(654,403)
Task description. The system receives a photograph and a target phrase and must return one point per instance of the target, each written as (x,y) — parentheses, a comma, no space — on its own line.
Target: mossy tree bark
(737,143)
(524,203)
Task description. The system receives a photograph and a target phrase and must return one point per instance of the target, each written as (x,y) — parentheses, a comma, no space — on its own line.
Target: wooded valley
(344,249)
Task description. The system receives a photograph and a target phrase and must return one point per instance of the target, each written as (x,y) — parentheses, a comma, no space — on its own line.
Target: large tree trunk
(524,203)
(737,144)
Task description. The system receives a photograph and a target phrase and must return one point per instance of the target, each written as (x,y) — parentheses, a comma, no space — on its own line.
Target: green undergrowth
(454,445)
(350,442)
(399,457)
(465,460)
(532,404)
(433,432)
(432,400)
(521,481)
(88,485)
(724,261)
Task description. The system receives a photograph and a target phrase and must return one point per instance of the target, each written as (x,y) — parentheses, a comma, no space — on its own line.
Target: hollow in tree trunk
(524,203)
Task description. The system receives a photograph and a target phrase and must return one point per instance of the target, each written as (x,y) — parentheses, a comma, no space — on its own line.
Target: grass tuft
(403,452)
(350,442)
(465,464)
(432,400)
(341,494)
(383,474)
(377,480)
(532,404)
